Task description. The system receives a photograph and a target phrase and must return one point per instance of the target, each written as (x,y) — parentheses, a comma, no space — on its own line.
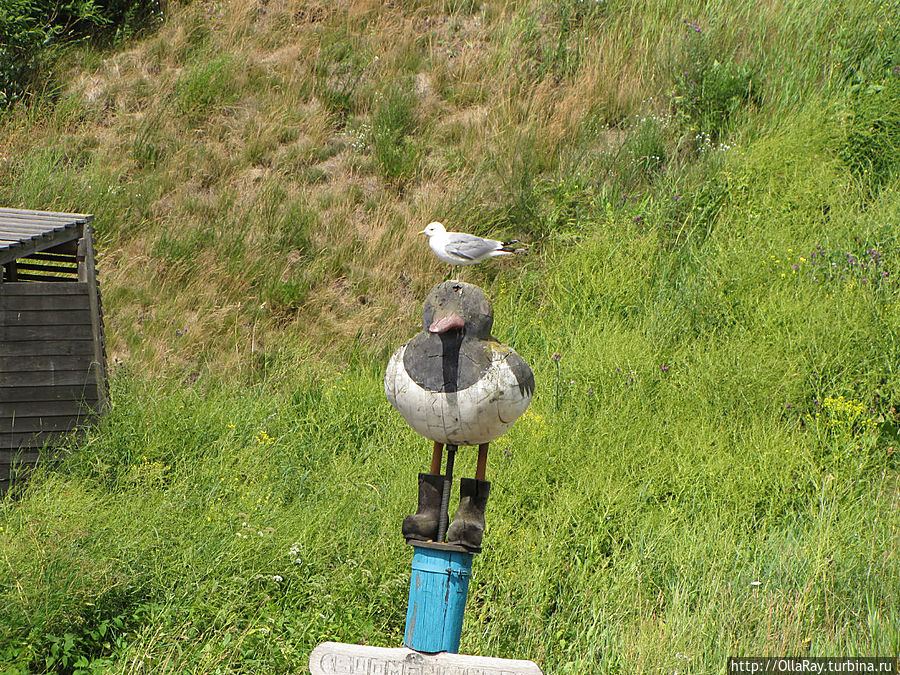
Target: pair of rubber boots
(467,528)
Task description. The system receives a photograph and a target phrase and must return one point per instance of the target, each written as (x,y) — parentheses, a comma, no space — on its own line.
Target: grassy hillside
(710,467)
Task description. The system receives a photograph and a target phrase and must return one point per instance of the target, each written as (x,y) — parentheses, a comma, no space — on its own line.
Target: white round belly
(478,414)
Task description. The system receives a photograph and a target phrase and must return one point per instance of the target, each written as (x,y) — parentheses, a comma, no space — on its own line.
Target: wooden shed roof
(24,232)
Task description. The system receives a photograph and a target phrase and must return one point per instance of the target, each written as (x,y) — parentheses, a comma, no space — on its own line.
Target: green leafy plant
(395,118)
(711,88)
(870,147)
(33,32)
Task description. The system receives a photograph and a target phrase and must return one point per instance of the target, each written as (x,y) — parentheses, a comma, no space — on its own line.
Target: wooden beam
(47,350)
(50,288)
(31,425)
(87,272)
(84,217)
(40,333)
(53,257)
(23,394)
(25,248)
(18,458)
(46,378)
(39,266)
(8,410)
(45,317)
(45,302)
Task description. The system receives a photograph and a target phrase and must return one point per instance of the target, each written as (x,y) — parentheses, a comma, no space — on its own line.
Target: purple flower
(664,368)
(677,197)
(787,405)
(556,357)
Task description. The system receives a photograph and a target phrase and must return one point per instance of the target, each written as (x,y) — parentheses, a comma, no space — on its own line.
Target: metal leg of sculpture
(445,497)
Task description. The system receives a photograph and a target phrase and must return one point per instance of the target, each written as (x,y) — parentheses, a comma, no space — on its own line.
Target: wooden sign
(333,658)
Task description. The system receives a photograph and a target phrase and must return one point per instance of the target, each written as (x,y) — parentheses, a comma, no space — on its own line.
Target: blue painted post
(438,589)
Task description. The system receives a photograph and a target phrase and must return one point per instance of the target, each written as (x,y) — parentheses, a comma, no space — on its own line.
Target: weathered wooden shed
(52,347)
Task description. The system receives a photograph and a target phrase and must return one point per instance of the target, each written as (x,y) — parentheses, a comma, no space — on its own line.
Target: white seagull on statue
(459,248)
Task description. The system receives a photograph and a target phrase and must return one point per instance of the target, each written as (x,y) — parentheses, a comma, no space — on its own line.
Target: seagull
(459,248)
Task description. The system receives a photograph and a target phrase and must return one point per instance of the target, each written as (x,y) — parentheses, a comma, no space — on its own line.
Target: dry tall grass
(231,164)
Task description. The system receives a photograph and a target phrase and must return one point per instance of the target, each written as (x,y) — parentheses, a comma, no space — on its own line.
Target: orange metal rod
(481,469)
(436,457)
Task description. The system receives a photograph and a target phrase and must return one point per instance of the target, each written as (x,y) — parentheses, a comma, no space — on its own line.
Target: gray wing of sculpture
(522,371)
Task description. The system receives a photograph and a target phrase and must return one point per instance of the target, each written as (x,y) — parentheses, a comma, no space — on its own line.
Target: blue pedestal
(437,597)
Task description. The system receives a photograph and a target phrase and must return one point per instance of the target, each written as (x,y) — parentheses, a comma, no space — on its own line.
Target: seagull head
(434,228)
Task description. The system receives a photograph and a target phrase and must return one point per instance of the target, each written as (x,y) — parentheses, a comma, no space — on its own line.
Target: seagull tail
(510,247)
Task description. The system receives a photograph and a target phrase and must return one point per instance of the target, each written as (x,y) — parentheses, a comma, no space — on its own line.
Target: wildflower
(664,368)
(277,577)
(556,357)
(591,392)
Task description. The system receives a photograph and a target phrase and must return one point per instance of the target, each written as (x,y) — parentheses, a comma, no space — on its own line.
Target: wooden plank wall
(48,367)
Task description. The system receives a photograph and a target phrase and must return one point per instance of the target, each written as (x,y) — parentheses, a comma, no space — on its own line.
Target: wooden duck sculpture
(455,384)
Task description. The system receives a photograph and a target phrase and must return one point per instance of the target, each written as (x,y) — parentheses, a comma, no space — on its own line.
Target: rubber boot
(423,524)
(467,528)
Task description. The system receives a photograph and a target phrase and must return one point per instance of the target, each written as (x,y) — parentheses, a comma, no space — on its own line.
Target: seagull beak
(446,323)
(422,232)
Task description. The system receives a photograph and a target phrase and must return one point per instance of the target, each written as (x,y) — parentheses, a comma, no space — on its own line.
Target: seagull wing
(470,247)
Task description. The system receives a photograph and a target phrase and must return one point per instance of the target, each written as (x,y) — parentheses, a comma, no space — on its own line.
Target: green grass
(709,469)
